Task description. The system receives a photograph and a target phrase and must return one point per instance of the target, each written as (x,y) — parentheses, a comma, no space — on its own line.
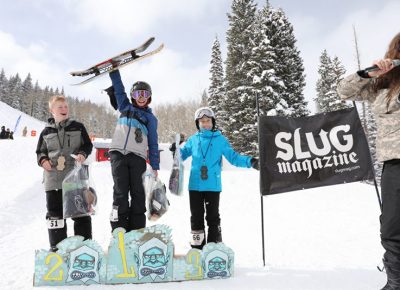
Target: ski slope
(323,238)
(9,117)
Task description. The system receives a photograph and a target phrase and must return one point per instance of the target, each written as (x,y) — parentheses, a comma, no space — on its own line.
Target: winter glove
(254,163)
(113,100)
(172,148)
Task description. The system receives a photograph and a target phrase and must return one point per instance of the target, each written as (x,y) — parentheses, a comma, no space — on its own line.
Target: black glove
(254,163)
(113,100)
(172,148)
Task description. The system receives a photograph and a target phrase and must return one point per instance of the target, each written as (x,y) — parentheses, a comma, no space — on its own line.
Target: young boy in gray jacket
(60,138)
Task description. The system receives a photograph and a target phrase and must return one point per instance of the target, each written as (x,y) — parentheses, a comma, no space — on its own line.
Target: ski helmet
(201,112)
(141,86)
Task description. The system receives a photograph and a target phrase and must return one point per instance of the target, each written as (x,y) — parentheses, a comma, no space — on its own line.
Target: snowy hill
(9,117)
(323,238)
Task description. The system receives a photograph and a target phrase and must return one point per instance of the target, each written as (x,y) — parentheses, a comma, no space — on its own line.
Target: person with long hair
(381,88)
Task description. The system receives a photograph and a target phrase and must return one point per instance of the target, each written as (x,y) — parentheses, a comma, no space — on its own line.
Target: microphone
(395,62)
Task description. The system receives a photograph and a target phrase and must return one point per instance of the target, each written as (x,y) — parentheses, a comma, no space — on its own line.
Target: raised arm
(119,91)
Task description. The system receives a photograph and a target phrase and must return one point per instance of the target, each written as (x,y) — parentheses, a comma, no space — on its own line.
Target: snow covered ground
(323,238)
(9,117)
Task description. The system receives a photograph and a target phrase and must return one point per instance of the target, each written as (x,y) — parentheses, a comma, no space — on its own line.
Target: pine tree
(3,85)
(288,63)
(240,99)
(262,82)
(7,98)
(338,71)
(15,92)
(204,99)
(37,92)
(262,61)
(262,67)
(324,83)
(216,91)
(43,105)
(331,72)
(27,94)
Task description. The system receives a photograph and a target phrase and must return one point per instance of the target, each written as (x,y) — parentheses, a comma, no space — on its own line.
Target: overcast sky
(50,38)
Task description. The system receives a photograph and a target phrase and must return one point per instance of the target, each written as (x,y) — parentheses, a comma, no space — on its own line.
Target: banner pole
(261,196)
(377,193)
(373,170)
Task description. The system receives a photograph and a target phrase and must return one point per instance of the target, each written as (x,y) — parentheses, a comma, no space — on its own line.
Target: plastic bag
(176,177)
(79,199)
(157,202)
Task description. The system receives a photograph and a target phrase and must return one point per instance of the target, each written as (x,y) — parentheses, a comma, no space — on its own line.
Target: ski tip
(77,73)
(161,47)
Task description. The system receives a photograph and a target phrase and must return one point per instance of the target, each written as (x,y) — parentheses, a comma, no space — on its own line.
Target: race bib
(197,238)
(55,224)
(114,214)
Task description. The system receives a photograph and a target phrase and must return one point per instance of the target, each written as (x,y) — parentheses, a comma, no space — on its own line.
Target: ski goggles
(137,94)
(200,113)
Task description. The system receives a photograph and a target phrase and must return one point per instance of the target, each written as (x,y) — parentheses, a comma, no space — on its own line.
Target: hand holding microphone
(381,67)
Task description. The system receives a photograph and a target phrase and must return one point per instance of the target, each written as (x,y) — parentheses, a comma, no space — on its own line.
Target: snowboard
(176,177)
(117,62)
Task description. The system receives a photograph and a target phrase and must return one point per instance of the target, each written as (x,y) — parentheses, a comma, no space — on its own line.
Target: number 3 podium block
(140,256)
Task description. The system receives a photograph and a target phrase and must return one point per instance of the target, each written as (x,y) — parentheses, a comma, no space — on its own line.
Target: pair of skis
(117,62)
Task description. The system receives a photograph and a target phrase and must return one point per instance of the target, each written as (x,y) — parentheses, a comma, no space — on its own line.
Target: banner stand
(261,196)
(375,183)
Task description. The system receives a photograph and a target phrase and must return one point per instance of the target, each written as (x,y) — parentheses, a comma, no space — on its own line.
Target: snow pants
(54,204)
(127,171)
(390,217)
(206,202)
(390,222)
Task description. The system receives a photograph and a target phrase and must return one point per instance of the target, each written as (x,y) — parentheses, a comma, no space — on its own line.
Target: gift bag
(156,193)
(79,198)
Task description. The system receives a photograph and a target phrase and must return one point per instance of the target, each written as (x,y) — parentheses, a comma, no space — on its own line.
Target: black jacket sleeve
(41,150)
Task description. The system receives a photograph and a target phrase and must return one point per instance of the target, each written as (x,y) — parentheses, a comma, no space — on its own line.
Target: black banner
(306,152)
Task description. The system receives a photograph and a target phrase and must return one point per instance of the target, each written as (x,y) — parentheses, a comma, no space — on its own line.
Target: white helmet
(203,111)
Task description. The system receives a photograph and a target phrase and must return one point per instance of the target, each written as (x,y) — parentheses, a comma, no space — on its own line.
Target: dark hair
(390,80)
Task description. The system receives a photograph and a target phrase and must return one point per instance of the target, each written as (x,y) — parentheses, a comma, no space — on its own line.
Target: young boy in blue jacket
(207,146)
(135,139)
